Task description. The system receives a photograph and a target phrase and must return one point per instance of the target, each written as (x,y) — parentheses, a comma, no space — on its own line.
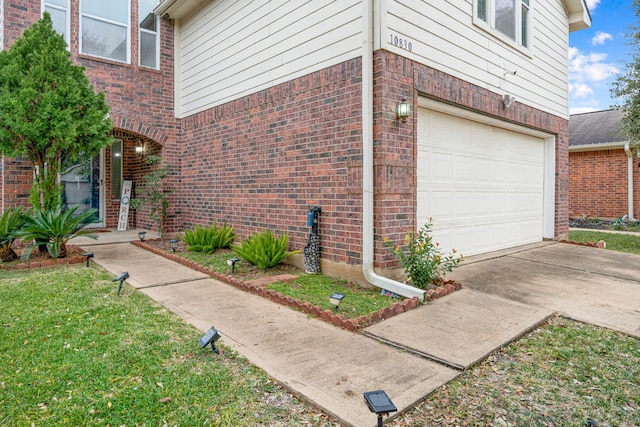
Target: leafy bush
(422,261)
(11,222)
(54,228)
(209,239)
(264,250)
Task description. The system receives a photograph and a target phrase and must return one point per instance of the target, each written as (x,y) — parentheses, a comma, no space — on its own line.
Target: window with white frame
(149,37)
(59,11)
(104,27)
(508,18)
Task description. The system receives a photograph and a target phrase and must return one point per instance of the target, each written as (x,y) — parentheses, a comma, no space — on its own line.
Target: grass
(620,242)
(559,375)
(73,353)
(316,289)
(312,288)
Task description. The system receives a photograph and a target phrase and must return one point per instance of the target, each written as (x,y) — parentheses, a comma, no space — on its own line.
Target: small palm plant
(11,222)
(54,228)
(264,250)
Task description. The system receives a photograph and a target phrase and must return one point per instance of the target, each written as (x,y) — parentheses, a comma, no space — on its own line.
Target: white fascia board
(597,147)
(176,9)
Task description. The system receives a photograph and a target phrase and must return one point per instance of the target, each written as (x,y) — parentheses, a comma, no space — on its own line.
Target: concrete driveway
(588,284)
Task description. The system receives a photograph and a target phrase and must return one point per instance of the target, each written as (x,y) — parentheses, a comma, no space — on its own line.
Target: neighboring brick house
(604,179)
(283,105)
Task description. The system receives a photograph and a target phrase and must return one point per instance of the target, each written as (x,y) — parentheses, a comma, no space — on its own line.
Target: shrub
(54,228)
(264,250)
(209,239)
(422,261)
(11,222)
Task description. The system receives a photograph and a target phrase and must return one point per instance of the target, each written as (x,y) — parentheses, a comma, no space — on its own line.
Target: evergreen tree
(48,109)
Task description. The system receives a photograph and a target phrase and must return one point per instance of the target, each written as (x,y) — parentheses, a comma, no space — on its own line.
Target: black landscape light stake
(232,263)
(88,255)
(210,337)
(335,299)
(379,403)
(121,278)
(142,235)
(174,244)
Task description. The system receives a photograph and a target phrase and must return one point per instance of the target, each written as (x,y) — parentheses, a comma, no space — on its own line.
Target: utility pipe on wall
(627,150)
(367,166)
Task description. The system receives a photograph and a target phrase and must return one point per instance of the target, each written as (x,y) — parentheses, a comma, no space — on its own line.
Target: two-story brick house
(268,107)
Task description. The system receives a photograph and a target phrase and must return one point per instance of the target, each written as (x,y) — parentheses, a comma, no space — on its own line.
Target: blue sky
(597,54)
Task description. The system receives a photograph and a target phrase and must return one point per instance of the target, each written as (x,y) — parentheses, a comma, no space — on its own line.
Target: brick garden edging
(329,316)
(77,259)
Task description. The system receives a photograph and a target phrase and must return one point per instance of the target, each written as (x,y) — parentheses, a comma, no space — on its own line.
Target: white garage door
(482,185)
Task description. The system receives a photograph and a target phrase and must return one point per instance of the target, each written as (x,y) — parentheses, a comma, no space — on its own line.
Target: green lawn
(629,243)
(74,353)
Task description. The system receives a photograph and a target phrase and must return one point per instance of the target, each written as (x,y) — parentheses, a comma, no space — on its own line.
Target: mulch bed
(160,248)
(43,259)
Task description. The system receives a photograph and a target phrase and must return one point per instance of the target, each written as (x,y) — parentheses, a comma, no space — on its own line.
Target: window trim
(490,28)
(67,10)
(127,27)
(156,33)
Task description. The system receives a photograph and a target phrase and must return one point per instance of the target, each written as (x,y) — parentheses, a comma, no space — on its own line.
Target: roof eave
(176,9)
(579,16)
(600,146)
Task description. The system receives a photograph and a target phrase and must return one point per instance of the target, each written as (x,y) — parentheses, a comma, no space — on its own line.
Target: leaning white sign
(123,218)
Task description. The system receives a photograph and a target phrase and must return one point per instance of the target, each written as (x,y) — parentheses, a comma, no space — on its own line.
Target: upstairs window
(506,18)
(59,11)
(104,29)
(149,40)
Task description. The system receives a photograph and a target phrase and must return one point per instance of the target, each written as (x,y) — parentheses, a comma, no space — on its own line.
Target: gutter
(367,166)
(627,150)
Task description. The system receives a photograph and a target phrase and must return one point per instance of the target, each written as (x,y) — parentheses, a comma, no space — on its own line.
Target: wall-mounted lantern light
(140,149)
(403,110)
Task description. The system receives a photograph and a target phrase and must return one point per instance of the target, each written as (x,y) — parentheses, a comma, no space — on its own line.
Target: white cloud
(592,4)
(589,74)
(600,38)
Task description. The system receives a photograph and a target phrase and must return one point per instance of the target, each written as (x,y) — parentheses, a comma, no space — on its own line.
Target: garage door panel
(483,185)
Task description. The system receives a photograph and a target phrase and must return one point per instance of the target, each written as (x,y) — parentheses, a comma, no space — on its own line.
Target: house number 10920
(401,43)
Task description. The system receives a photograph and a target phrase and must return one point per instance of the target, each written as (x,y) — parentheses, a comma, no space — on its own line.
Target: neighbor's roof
(595,129)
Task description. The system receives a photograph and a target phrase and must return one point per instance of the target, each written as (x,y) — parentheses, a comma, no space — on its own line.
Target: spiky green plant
(11,222)
(209,239)
(264,250)
(54,228)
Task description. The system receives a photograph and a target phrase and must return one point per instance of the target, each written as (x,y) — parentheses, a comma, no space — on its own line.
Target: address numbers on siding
(400,42)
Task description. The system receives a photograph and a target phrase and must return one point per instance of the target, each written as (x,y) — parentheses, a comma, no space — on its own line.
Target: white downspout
(367,165)
(629,180)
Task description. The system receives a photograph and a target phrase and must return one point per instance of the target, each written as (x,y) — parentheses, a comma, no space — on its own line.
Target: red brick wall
(598,184)
(260,161)
(141,101)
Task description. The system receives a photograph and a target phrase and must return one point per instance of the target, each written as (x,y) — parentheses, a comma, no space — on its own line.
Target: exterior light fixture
(88,255)
(507,100)
(379,403)
(210,337)
(232,263)
(121,278)
(174,244)
(336,298)
(403,110)
(142,235)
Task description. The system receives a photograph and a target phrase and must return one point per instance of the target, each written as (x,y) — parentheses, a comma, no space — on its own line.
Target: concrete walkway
(408,356)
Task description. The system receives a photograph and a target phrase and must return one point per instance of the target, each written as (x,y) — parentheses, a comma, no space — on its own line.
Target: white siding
(232,48)
(443,36)
(2,30)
